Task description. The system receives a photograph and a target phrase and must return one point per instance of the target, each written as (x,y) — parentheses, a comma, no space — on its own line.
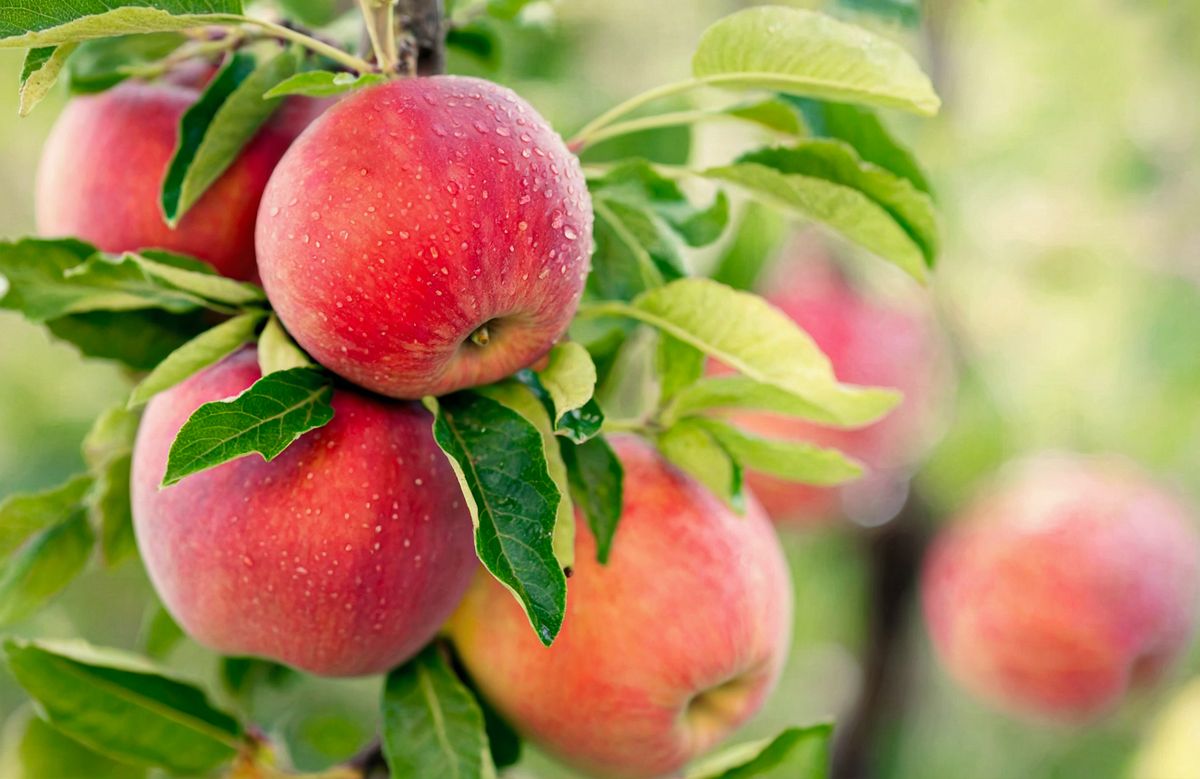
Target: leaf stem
(648,123)
(380,21)
(584,136)
(307,41)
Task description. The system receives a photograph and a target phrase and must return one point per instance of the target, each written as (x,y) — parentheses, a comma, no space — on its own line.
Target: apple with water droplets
(663,651)
(102,171)
(426,235)
(1071,582)
(343,556)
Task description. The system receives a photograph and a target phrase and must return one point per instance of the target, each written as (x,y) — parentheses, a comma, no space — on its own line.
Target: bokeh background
(1067,168)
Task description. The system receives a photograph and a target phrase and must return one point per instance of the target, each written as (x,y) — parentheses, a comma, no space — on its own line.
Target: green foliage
(200,352)
(108,452)
(35,750)
(432,724)
(160,633)
(690,446)
(266,418)
(806,53)
(39,72)
(863,130)
(636,184)
(216,127)
(500,459)
(790,460)
(138,339)
(796,753)
(322,83)
(825,181)
(51,22)
(241,676)
(123,707)
(565,387)
(277,351)
(758,235)
(758,341)
(595,479)
(102,63)
(634,251)
(45,541)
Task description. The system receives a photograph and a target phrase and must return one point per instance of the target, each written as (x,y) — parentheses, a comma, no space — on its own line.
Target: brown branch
(423,41)
(894,553)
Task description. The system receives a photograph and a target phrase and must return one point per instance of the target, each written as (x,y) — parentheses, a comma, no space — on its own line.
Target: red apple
(343,556)
(103,165)
(869,341)
(1066,585)
(663,651)
(426,235)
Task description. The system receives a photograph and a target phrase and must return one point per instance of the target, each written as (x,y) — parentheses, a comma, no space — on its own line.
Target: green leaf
(315,13)
(39,72)
(160,633)
(521,399)
(671,145)
(507,10)
(213,131)
(243,675)
(756,339)
(690,447)
(24,516)
(33,276)
(755,242)
(807,53)
(842,206)
(43,567)
(801,753)
(323,83)
(200,352)
(565,387)
(637,184)
(499,457)
(503,740)
(772,113)
(266,418)
(102,63)
(634,251)
(596,481)
(906,12)
(138,339)
(121,283)
(277,351)
(792,460)
(188,274)
(108,451)
(679,365)
(121,706)
(35,750)
(863,130)
(432,725)
(476,40)
(837,162)
(26,24)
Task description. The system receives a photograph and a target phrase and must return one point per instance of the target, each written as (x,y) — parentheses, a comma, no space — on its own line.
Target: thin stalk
(307,41)
(380,20)
(584,136)
(650,123)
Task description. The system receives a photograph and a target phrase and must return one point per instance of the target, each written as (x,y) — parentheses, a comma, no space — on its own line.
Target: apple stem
(482,336)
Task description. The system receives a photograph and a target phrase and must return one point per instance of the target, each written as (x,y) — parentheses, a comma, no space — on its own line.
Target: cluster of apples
(416,238)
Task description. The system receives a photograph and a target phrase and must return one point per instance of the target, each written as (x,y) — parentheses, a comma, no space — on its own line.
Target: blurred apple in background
(1072,581)
(870,340)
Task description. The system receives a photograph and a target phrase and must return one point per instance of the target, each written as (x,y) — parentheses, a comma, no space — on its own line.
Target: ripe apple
(664,650)
(869,341)
(1072,581)
(103,165)
(343,556)
(426,235)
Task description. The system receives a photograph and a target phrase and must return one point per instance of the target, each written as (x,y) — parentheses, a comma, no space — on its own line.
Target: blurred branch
(424,30)
(894,553)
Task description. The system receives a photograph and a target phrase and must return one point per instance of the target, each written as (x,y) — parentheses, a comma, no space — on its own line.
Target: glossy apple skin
(341,557)
(872,342)
(412,214)
(694,598)
(1068,584)
(103,165)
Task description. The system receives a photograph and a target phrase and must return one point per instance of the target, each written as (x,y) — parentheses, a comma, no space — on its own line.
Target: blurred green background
(1067,167)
